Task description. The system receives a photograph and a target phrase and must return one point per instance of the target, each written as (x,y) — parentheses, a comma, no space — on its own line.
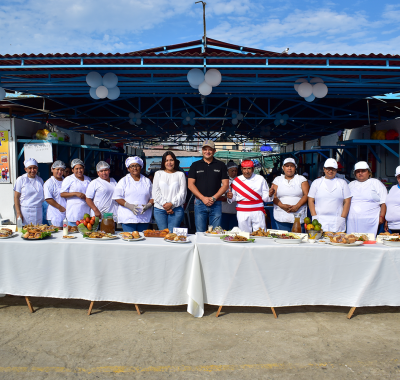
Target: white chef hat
(305,174)
(331,163)
(290,161)
(133,160)
(30,162)
(58,164)
(76,161)
(102,165)
(397,171)
(361,165)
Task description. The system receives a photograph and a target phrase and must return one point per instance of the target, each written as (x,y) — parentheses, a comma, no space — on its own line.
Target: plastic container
(65,227)
(19,224)
(296,225)
(107,224)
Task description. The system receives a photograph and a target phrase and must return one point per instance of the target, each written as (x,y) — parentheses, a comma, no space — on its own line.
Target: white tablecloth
(268,274)
(151,271)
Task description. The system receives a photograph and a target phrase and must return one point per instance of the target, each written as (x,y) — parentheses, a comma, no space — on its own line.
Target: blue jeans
(165,220)
(204,215)
(130,227)
(287,226)
(228,221)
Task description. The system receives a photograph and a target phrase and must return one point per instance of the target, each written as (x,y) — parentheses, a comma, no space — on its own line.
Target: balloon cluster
(2,93)
(188,118)
(316,88)
(236,117)
(281,119)
(103,87)
(204,82)
(135,118)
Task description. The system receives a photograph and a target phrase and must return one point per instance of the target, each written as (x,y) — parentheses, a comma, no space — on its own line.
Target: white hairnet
(102,165)
(76,161)
(133,160)
(58,164)
(30,162)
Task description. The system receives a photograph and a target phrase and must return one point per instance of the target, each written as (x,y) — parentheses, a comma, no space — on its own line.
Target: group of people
(221,196)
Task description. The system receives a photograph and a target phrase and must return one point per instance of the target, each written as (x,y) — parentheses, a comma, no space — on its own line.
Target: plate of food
(156,233)
(35,234)
(215,232)
(69,237)
(132,236)
(260,233)
(175,238)
(40,227)
(345,240)
(6,233)
(236,239)
(100,235)
(73,230)
(289,238)
(392,242)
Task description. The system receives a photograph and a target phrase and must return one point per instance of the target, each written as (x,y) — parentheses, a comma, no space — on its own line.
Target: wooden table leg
(28,301)
(219,310)
(90,308)
(351,312)
(273,312)
(137,309)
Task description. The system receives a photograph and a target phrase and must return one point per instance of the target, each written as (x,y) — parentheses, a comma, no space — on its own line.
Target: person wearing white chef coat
(392,223)
(291,195)
(368,206)
(133,194)
(329,199)
(73,189)
(56,209)
(100,191)
(29,195)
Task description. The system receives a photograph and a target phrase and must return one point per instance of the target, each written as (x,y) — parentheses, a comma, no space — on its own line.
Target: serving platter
(46,237)
(355,244)
(103,238)
(138,239)
(178,242)
(231,241)
(10,236)
(288,241)
(391,243)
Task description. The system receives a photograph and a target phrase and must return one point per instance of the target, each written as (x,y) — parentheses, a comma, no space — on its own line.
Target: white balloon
(113,93)
(110,80)
(235,121)
(132,115)
(138,121)
(213,77)
(94,79)
(205,89)
(138,115)
(195,77)
(299,81)
(305,89)
(92,93)
(2,93)
(281,121)
(316,80)
(102,92)
(195,86)
(131,122)
(239,116)
(320,90)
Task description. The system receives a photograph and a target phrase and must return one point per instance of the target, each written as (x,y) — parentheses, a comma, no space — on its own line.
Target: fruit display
(40,227)
(261,232)
(314,225)
(156,233)
(87,224)
(175,237)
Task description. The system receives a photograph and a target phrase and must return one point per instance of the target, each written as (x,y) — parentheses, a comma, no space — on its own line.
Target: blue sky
(308,26)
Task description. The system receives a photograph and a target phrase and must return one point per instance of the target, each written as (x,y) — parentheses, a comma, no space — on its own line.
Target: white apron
(364,210)
(52,189)
(329,207)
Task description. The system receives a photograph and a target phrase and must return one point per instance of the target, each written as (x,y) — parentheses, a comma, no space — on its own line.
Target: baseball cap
(209,143)
(361,165)
(331,163)
(290,161)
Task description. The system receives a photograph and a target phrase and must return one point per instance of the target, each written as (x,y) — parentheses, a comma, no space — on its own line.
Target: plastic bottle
(19,224)
(65,227)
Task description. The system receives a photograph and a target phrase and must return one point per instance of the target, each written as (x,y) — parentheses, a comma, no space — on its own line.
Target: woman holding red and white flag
(250,191)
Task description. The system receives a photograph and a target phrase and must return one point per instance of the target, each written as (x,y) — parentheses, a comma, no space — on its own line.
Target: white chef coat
(101,192)
(52,189)
(76,207)
(289,193)
(31,199)
(169,187)
(365,205)
(252,220)
(229,208)
(393,208)
(134,192)
(329,195)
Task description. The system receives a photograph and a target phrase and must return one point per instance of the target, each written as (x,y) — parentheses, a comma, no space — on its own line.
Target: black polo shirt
(208,176)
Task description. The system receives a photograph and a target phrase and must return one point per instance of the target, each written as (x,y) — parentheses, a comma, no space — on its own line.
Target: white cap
(133,160)
(102,165)
(289,161)
(397,171)
(30,162)
(331,163)
(305,174)
(76,161)
(58,164)
(361,165)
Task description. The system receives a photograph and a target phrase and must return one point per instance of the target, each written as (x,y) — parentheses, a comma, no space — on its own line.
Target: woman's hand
(61,209)
(381,219)
(170,212)
(167,206)
(271,191)
(293,208)
(80,195)
(386,226)
(97,213)
(285,207)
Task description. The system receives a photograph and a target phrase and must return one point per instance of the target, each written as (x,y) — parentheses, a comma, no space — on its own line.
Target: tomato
(85,223)
(78,222)
(89,226)
(81,221)
(87,220)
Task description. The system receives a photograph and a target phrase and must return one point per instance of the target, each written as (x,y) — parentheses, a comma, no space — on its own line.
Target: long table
(150,271)
(268,274)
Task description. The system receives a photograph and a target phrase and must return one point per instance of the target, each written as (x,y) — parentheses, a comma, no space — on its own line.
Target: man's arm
(223,188)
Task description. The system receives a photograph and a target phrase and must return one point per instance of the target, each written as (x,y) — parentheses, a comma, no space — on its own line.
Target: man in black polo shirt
(205,178)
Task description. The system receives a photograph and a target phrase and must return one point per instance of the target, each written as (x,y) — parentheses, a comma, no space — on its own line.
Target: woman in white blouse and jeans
(169,193)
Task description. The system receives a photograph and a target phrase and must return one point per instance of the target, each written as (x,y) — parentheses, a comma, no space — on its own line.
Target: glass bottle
(296,225)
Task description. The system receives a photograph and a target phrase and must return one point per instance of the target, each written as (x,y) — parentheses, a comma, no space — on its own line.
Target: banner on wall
(4,158)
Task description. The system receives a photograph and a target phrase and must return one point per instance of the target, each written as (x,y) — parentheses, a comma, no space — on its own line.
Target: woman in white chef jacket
(73,189)
(291,195)
(133,195)
(100,191)
(368,206)
(56,209)
(29,195)
(392,223)
(329,199)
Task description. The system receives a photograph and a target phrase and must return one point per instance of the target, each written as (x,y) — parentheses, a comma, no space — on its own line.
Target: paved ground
(59,341)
